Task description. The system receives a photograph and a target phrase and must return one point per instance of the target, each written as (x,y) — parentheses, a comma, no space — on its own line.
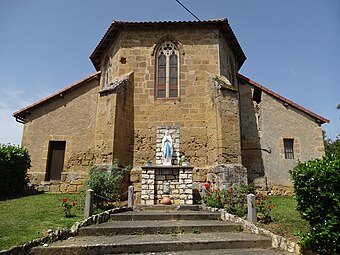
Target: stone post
(252,217)
(204,194)
(130,196)
(88,210)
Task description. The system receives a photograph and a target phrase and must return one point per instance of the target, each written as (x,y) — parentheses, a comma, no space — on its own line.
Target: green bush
(106,184)
(317,189)
(14,163)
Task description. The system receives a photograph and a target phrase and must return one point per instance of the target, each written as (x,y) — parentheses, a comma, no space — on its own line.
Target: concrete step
(161,207)
(165,215)
(154,243)
(159,227)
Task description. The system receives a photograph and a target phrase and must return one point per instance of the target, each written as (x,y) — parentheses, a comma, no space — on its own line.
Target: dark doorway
(55,161)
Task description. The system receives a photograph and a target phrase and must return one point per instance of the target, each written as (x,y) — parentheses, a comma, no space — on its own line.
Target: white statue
(167,148)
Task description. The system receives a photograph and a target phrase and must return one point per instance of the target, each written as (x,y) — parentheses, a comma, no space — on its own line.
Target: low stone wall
(278,242)
(179,178)
(276,190)
(69,183)
(62,234)
(221,176)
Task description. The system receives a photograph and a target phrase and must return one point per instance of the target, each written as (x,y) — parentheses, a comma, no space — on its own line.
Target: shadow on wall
(251,151)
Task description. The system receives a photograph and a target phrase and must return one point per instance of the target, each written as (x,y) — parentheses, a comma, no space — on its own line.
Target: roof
(117,26)
(20,115)
(283,99)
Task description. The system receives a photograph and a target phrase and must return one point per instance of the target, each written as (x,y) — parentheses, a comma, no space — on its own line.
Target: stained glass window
(167,71)
(161,87)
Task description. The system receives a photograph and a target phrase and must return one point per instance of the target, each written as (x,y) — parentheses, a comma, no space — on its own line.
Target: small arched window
(167,71)
(106,73)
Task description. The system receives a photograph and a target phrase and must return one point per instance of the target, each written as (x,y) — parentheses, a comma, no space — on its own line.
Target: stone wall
(194,111)
(251,134)
(179,179)
(63,119)
(223,176)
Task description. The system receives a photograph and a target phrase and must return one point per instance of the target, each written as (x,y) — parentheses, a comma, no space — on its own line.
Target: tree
(332,147)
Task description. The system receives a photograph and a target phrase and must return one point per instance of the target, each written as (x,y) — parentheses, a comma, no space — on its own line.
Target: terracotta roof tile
(21,113)
(283,99)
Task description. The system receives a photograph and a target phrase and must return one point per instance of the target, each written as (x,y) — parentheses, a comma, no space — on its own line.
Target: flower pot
(166,201)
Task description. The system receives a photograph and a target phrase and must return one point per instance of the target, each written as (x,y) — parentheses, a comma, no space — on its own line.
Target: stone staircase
(162,230)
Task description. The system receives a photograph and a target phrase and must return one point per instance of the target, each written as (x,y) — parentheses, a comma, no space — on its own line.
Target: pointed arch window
(167,81)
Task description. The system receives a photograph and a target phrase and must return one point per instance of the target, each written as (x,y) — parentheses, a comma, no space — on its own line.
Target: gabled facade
(276,134)
(152,76)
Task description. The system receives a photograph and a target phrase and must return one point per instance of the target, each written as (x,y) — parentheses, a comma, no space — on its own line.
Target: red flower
(64,200)
(206,186)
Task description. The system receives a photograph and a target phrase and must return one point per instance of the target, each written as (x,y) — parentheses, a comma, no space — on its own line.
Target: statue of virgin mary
(167,148)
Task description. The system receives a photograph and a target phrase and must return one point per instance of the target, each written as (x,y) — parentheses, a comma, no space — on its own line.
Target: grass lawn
(26,218)
(287,220)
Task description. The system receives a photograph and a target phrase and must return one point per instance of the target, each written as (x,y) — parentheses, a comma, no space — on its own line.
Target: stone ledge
(167,167)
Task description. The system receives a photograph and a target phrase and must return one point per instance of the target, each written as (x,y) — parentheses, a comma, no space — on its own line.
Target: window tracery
(167,71)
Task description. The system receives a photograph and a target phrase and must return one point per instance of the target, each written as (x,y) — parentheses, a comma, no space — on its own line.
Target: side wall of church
(274,122)
(70,118)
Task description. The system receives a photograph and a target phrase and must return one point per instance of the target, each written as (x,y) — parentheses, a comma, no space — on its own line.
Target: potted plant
(148,162)
(183,161)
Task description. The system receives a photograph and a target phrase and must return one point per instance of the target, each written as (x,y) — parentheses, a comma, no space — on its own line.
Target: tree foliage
(332,146)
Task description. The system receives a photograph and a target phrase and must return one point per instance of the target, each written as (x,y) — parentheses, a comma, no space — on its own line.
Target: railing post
(252,217)
(89,199)
(130,196)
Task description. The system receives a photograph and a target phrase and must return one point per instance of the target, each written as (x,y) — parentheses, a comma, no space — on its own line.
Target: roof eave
(317,117)
(21,114)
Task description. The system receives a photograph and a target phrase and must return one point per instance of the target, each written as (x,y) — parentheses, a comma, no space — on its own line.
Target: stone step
(158,227)
(222,252)
(154,243)
(166,215)
(167,207)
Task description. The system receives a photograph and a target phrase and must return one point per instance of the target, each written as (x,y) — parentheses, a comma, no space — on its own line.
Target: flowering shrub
(67,207)
(264,207)
(107,185)
(234,199)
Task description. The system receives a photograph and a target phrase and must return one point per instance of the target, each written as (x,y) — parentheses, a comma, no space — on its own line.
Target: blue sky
(292,47)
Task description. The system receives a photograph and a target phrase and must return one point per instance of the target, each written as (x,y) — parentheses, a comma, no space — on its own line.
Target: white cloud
(10,130)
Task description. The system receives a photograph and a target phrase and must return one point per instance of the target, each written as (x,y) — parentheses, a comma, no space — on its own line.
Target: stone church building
(180,76)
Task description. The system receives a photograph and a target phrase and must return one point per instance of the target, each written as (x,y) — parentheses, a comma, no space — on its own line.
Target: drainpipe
(19,119)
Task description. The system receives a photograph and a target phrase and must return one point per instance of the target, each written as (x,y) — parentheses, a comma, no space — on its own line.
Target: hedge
(317,189)
(14,163)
